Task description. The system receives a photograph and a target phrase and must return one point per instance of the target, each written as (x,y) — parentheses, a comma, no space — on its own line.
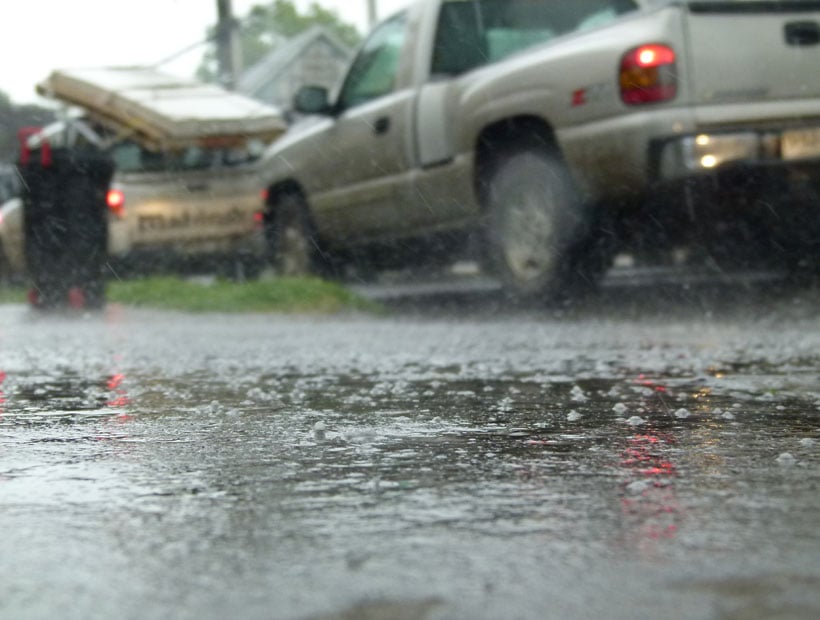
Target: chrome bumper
(705,152)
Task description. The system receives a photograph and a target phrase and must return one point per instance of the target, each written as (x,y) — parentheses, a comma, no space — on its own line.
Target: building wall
(321,64)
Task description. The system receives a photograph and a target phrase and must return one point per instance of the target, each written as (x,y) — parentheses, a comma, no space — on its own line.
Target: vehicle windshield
(132,157)
(472,33)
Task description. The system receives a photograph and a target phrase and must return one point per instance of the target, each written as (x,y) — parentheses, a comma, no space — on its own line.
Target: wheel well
(283,188)
(279,189)
(499,138)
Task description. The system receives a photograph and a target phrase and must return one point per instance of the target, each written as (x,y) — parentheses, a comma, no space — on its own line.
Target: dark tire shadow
(637,295)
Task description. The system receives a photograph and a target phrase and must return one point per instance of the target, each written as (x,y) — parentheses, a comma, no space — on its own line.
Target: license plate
(801,143)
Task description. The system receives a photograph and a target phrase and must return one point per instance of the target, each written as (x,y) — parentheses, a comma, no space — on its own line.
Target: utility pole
(228,50)
(372,14)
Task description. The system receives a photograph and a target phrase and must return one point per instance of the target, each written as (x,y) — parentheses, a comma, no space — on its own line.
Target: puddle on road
(419,428)
(345,470)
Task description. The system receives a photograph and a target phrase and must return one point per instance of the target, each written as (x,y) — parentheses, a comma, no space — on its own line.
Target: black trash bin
(64,222)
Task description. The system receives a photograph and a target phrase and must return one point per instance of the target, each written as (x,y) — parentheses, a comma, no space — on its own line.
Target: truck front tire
(535,221)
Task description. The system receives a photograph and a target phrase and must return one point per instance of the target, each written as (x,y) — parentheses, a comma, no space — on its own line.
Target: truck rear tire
(535,222)
(290,239)
(293,244)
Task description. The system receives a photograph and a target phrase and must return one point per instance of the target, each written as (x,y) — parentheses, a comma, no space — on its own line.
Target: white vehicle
(186,187)
(10,234)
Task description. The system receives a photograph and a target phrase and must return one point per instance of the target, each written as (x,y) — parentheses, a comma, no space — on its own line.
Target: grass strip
(12,294)
(285,295)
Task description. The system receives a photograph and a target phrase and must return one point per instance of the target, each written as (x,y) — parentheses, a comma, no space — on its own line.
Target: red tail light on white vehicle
(115,199)
(648,75)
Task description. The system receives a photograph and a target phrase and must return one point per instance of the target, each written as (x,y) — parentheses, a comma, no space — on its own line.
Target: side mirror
(312,100)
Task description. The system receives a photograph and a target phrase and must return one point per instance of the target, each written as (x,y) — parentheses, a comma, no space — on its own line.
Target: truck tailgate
(754,50)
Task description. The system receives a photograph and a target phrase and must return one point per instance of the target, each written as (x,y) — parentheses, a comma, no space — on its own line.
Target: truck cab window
(131,157)
(473,33)
(193,158)
(373,73)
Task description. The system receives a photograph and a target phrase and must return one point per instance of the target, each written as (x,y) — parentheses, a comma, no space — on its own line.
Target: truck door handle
(382,125)
(802,33)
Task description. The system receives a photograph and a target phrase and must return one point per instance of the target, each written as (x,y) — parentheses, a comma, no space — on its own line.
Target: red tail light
(33,296)
(648,75)
(115,199)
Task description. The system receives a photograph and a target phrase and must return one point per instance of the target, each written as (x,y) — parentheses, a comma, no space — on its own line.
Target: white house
(315,57)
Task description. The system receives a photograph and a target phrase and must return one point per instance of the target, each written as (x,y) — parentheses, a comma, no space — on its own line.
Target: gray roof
(263,72)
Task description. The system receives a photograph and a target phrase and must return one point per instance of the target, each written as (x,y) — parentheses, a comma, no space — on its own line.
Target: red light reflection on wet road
(119,397)
(649,503)
(646,382)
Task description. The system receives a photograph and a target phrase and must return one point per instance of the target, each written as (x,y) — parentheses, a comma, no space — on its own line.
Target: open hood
(163,111)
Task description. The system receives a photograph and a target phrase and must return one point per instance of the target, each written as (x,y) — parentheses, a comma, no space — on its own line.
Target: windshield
(472,33)
(131,157)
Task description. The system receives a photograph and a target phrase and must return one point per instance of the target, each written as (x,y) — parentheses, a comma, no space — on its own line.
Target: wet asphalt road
(651,452)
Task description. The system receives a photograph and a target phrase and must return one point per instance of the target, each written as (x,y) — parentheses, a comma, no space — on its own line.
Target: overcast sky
(39,36)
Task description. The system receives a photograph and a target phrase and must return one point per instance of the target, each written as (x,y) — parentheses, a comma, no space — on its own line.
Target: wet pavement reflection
(164,465)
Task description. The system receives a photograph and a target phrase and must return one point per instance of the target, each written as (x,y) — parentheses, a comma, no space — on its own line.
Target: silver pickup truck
(552,131)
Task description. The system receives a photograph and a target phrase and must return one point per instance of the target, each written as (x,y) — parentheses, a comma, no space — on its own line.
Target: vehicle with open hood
(186,188)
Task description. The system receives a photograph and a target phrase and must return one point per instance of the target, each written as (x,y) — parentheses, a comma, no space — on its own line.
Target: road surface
(651,452)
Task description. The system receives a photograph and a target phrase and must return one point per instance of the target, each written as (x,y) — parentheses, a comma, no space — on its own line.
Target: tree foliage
(268,25)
